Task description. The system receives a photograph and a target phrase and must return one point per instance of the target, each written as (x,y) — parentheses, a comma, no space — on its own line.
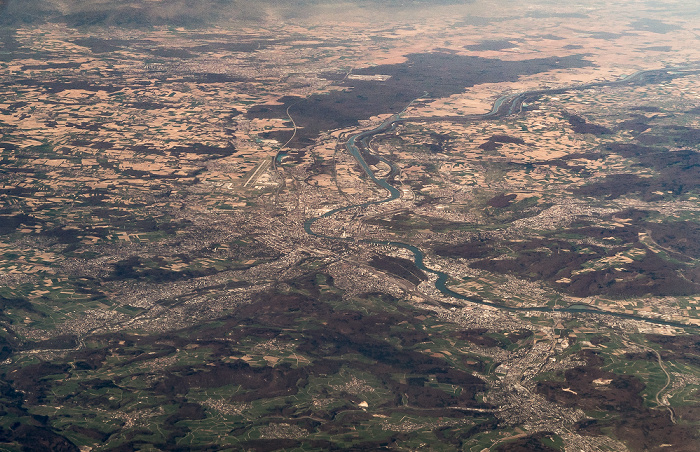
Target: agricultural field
(424,226)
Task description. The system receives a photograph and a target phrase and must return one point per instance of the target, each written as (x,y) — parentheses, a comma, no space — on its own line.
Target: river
(504,106)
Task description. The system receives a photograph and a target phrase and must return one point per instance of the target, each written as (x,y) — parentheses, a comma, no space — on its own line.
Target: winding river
(504,106)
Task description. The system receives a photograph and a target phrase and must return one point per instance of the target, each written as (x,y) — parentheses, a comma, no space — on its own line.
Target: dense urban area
(424,226)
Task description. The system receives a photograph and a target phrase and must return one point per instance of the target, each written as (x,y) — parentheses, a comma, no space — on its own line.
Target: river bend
(504,106)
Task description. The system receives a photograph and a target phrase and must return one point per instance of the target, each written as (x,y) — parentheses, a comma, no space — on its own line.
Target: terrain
(342,226)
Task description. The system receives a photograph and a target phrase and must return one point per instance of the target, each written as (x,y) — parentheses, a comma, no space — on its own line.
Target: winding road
(504,106)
